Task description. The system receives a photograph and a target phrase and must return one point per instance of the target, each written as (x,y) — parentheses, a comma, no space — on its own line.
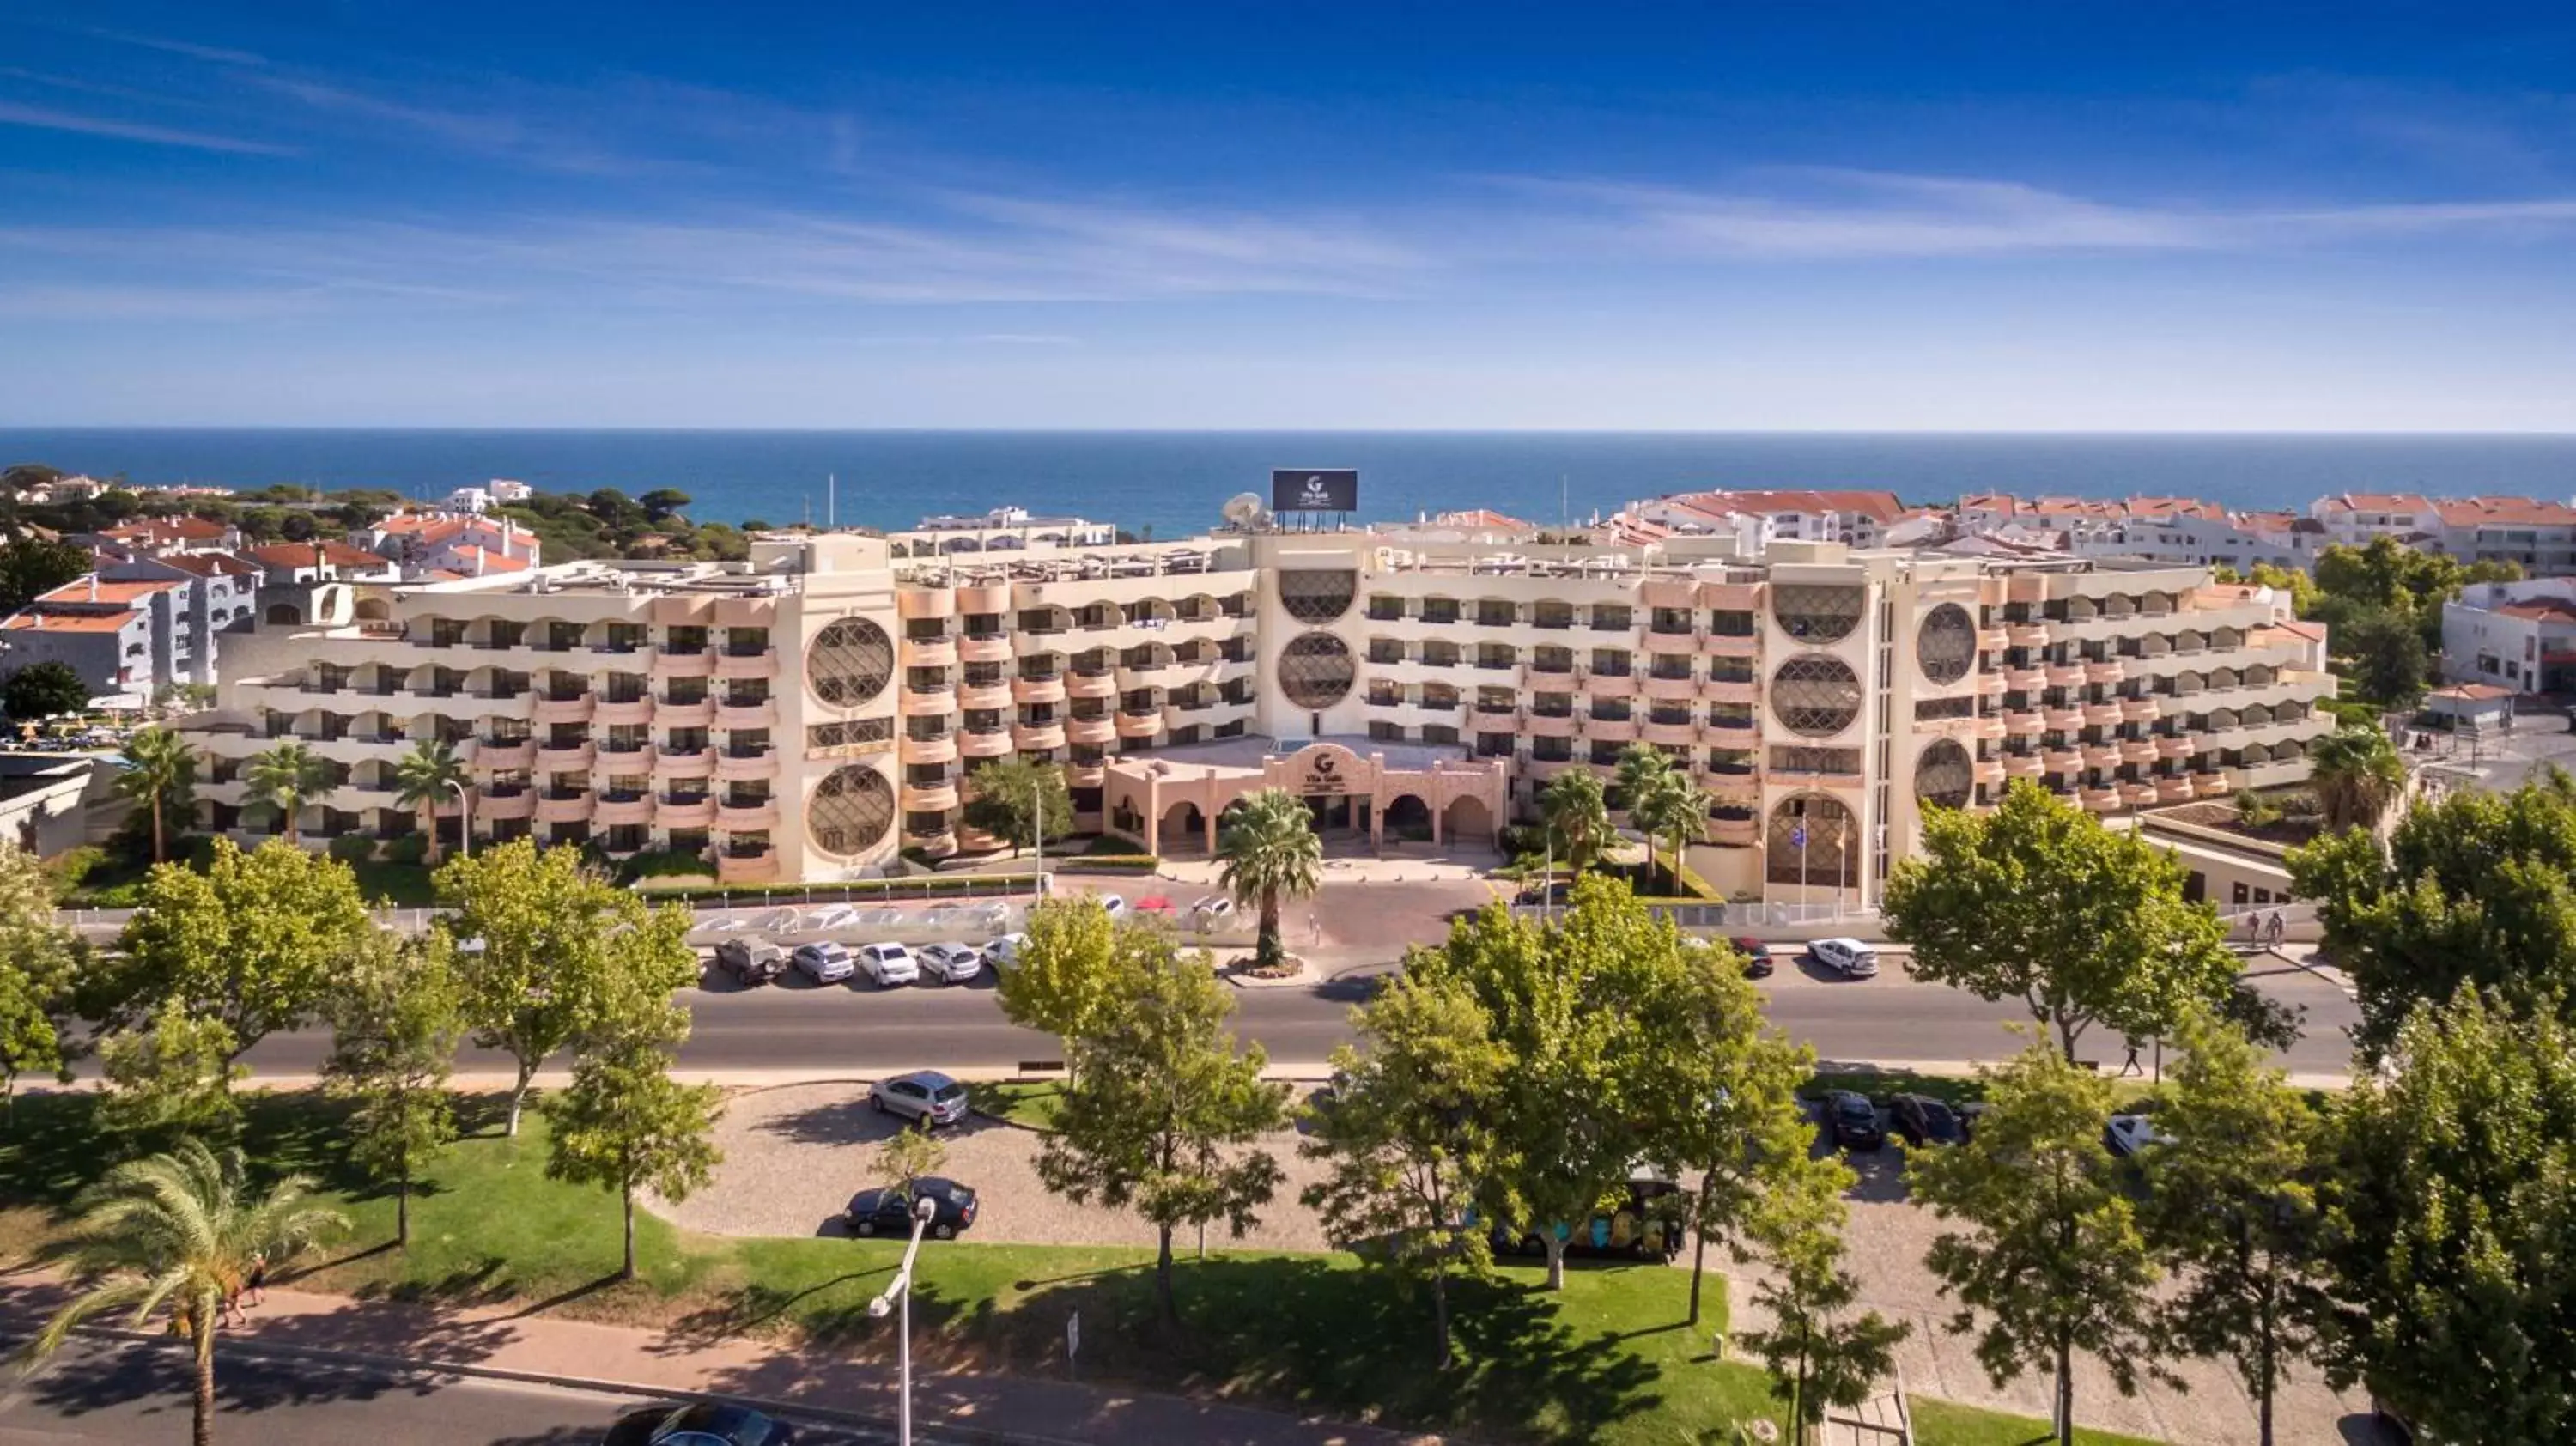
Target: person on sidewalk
(258,1282)
(2130,1065)
(231,1312)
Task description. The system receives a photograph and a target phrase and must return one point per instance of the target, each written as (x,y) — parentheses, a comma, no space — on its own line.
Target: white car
(949,963)
(824,963)
(1004,952)
(888,964)
(2126,1135)
(1848,957)
(1111,904)
(1215,909)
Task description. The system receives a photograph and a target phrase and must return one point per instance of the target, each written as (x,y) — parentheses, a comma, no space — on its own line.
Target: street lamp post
(897,1296)
(464,820)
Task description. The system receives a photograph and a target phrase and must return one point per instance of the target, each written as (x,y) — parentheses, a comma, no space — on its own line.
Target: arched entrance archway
(1183,830)
(1408,819)
(1468,820)
(284,615)
(1812,841)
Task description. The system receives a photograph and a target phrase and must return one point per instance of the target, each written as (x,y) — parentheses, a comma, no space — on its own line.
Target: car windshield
(1855,1108)
(1937,1117)
(948,1092)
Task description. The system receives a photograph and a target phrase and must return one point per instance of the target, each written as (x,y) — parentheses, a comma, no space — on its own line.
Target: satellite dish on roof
(1244,511)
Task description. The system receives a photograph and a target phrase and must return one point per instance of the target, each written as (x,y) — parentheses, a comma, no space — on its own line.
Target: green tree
(180,1231)
(2052,1261)
(2450,1207)
(394,1030)
(624,1124)
(289,776)
(1403,1139)
(1674,809)
(1818,1354)
(169,1074)
(549,952)
(2473,889)
(1643,771)
(2231,1211)
(1269,855)
(1576,815)
(44,690)
(423,778)
(1563,1134)
(1066,967)
(2357,776)
(2385,655)
(31,567)
(1161,1112)
(39,959)
(661,502)
(1018,800)
(161,776)
(257,942)
(2039,902)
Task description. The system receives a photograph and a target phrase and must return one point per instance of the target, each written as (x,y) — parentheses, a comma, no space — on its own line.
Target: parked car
(1004,952)
(751,961)
(1848,957)
(824,961)
(2126,1135)
(705,1423)
(1971,1114)
(887,965)
(925,1095)
(882,1211)
(949,963)
(1757,956)
(1647,1227)
(1113,905)
(1854,1121)
(1923,1120)
(1213,910)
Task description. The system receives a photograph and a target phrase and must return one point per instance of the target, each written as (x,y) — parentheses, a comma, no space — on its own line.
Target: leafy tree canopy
(44,690)
(256,942)
(1013,798)
(31,567)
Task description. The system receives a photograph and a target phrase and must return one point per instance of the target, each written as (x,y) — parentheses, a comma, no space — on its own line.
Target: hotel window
(1610,662)
(1439,610)
(1493,614)
(1551,750)
(1384,732)
(746,642)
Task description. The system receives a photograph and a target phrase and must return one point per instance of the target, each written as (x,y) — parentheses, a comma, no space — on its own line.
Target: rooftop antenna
(831,501)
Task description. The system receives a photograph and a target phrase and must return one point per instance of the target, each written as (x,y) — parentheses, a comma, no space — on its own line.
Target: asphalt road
(865,1032)
(102,1391)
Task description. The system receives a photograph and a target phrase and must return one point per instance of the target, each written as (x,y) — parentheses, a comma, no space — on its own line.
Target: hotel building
(807,714)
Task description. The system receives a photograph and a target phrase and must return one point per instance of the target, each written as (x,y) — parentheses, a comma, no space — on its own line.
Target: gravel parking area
(795,1154)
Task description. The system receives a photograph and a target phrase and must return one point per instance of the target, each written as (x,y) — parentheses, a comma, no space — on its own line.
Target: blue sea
(1174,482)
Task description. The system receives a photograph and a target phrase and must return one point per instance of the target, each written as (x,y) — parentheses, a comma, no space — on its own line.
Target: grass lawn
(1609,1360)
(1942,1423)
(1031,1103)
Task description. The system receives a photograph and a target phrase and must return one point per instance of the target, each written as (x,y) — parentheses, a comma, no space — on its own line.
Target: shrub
(411,849)
(663,864)
(2302,804)
(2254,809)
(1111,863)
(353,848)
(72,867)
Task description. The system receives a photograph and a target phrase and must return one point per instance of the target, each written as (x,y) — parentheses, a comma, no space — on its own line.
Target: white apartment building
(2516,635)
(807,714)
(2176,530)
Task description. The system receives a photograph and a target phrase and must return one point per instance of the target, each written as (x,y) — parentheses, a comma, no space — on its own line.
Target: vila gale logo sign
(1314,489)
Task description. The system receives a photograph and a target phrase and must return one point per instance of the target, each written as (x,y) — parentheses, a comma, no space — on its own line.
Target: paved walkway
(519,1343)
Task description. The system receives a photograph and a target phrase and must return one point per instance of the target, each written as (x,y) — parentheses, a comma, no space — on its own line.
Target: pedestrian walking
(2130,1065)
(258,1282)
(2274,931)
(231,1312)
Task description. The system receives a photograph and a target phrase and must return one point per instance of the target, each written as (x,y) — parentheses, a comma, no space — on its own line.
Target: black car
(1969,1114)
(1757,957)
(706,1423)
(1647,1227)
(887,1212)
(1854,1121)
(1923,1120)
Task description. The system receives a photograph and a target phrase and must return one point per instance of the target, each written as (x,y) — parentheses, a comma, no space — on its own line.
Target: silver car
(824,962)
(925,1095)
(949,963)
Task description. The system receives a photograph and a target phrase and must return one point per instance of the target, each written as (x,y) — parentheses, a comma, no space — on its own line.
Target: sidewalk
(520,1344)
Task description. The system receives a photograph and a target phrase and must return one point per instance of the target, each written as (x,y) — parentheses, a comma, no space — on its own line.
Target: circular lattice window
(1817,697)
(1943,774)
(1318,595)
(850,662)
(1316,670)
(1946,647)
(1817,613)
(852,810)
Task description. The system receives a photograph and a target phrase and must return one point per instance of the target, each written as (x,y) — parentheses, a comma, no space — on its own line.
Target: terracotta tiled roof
(2541,610)
(300,554)
(2379,502)
(469,556)
(109,592)
(2473,692)
(211,564)
(1877,506)
(1479,517)
(70,622)
(162,529)
(2504,511)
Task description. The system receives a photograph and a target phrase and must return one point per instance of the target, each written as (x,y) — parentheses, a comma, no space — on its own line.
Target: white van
(1848,957)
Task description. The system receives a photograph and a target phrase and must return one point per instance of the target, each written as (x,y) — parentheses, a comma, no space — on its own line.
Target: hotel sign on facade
(1314,489)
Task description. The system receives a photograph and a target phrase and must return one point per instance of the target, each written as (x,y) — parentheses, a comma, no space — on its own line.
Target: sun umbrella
(1158,903)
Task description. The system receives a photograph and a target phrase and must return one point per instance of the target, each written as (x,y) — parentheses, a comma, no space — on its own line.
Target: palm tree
(1674,808)
(2357,775)
(1643,771)
(289,775)
(422,779)
(1576,815)
(1270,855)
(180,1230)
(160,774)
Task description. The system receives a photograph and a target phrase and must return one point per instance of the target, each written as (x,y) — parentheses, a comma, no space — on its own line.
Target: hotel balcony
(747,868)
(611,811)
(1683,643)
(1037,737)
(928,702)
(668,764)
(746,817)
(683,812)
(763,764)
(2064,720)
(2102,715)
(1091,685)
(520,803)
(990,648)
(2140,710)
(1727,645)
(2137,795)
(1988,685)
(1811,778)
(1093,731)
(1992,640)
(575,709)
(639,710)
(751,663)
(1735,832)
(1683,687)
(2028,725)
(1609,730)
(1989,771)
(2211,785)
(2137,750)
(2026,635)
(1732,597)
(2099,800)
(935,653)
(2180,746)
(763,714)
(1085,775)
(983,597)
(1037,690)
(2173,790)
(925,602)
(1610,685)
(2025,680)
(569,758)
(572,807)
(2100,755)
(700,714)
(942,749)
(2061,760)
(1140,725)
(1684,733)
(983,696)
(504,757)
(1714,691)
(992,742)
(2024,765)
(2110,671)
(929,797)
(1547,725)
(668,665)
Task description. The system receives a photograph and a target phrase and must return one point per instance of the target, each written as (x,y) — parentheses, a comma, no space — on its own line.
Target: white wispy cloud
(37,117)
(217,54)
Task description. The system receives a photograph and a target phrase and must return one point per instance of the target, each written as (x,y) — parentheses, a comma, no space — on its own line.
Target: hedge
(1110,864)
(944,886)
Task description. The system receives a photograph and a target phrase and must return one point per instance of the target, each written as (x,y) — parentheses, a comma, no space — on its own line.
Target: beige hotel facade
(810,713)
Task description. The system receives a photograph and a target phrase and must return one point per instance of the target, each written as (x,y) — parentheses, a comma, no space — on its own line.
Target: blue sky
(1853,216)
